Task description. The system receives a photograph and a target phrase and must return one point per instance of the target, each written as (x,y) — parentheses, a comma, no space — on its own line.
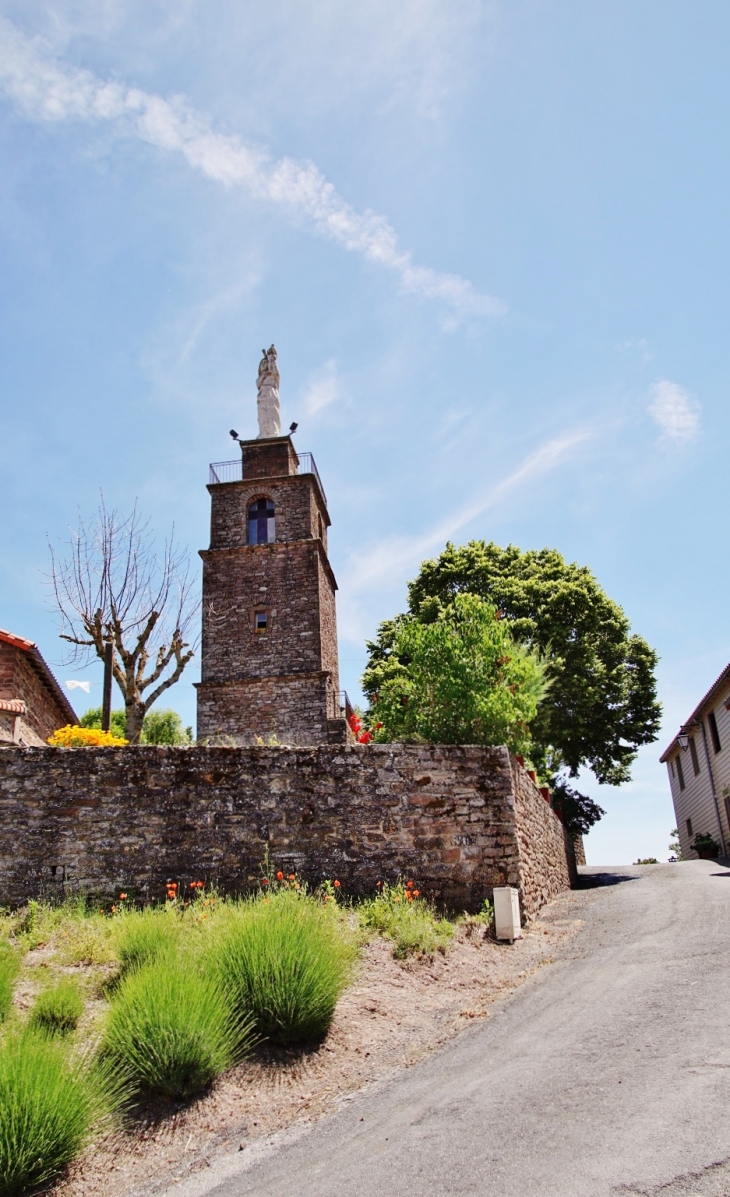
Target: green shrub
(9,968)
(158,727)
(170,1030)
(285,960)
(42,921)
(401,914)
(146,936)
(57,1011)
(165,727)
(47,1110)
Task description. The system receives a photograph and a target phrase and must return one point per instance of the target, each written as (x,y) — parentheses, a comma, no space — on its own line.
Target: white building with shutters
(698,762)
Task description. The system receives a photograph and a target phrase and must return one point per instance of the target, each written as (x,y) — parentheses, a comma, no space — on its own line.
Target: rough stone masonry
(458,820)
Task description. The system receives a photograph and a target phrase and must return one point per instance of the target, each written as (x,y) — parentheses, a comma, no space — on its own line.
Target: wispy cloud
(676,411)
(393,559)
(46,89)
(323,389)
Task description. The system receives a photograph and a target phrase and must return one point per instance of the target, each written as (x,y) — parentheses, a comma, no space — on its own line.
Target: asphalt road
(607,1073)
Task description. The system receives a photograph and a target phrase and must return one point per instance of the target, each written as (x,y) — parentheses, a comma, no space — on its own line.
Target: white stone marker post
(507,924)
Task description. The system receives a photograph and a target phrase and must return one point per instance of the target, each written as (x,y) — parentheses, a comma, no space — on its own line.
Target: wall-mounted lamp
(683,741)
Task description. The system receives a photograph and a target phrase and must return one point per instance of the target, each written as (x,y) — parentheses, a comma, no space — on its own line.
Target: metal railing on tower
(232,471)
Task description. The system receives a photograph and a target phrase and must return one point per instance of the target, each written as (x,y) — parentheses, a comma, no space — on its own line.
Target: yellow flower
(84,737)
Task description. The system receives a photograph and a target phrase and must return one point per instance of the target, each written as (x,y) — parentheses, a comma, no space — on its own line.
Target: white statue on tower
(267,385)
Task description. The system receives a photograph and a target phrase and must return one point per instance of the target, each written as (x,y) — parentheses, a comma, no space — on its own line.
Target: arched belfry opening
(269,653)
(261,522)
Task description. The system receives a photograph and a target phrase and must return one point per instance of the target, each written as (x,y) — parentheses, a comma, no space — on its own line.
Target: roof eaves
(47,677)
(16,641)
(718,684)
(49,680)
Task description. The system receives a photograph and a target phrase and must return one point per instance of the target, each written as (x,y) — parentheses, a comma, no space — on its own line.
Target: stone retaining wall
(458,820)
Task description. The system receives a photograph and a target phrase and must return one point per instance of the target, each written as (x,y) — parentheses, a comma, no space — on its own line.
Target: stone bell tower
(269,651)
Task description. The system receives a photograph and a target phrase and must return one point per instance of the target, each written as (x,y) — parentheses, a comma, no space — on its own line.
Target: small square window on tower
(260,621)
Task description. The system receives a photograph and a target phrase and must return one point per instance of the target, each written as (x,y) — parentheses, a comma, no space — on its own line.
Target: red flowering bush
(361,734)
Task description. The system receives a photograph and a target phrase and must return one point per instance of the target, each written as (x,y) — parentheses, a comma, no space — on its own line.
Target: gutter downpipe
(712,785)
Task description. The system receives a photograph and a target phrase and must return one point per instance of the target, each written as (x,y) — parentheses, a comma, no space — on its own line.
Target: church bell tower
(269,651)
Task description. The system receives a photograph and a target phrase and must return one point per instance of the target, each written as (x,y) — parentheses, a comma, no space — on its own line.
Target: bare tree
(113,585)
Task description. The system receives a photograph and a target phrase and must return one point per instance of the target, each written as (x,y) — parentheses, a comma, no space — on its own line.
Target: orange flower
(292,876)
(378,883)
(416,893)
(265,881)
(337,885)
(410,885)
(279,876)
(409,895)
(193,885)
(122,897)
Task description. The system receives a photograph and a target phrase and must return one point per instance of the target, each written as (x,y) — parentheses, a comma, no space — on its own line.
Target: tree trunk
(135,716)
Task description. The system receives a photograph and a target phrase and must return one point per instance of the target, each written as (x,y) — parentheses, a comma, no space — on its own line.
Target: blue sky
(489,241)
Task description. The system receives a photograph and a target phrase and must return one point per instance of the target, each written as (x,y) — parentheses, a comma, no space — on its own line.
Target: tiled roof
(16,641)
(43,671)
(717,685)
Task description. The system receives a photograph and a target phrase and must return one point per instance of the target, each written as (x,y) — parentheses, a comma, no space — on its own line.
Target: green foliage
(647,860)
(703,841)
(147,937)
(118,721)
(398,912)
(9,969)
(674,846)
(88,939)
(158,727)
(165,727)
(82,932)
(48,1107)
(458,679)
(170,1029)
(601,705)
(578,812)
(57,1010)
(285,959)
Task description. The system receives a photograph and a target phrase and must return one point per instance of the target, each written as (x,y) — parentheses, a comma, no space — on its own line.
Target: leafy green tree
(601,704)
(459,679)
(578,811)
(165,727)
(158,727)
(118,721)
